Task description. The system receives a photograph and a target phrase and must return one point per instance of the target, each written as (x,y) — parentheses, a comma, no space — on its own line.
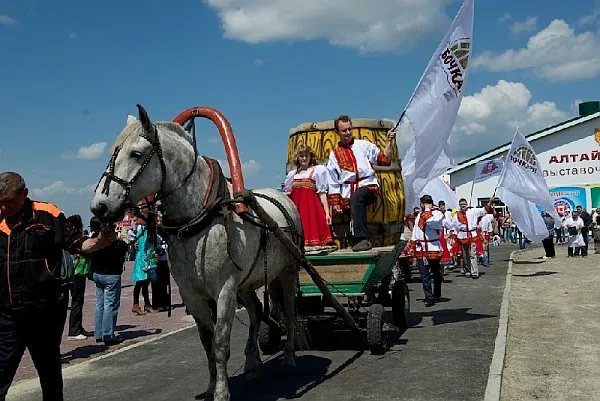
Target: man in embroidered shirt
(352,178)
(465,223)
(427,249)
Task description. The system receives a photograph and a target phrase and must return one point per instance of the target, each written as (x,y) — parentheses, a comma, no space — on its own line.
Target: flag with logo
(522,186)
(488,168)
(433,107)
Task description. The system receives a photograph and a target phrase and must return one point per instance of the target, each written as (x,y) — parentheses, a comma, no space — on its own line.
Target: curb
(494,383)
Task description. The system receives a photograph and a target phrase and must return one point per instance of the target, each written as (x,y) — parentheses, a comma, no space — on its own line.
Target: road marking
(494,383)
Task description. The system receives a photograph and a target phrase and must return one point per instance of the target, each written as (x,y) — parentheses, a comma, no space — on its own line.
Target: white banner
(439,191)
(434,105)
(488,168)
(522,186)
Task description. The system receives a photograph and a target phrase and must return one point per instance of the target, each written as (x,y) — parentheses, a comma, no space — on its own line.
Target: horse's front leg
(226,304)
(201,312)
(253,307)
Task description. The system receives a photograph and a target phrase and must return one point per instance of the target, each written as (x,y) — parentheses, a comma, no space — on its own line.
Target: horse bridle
(109,173)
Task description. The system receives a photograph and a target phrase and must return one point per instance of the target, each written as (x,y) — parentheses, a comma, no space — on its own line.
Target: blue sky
(71,71)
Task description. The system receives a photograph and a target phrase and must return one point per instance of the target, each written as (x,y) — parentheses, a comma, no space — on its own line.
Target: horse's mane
(135,128)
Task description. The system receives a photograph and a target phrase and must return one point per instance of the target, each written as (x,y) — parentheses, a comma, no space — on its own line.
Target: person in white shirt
(447,233)
(574,224)
(486,226)
(465,224)
(352,182)
(426,248)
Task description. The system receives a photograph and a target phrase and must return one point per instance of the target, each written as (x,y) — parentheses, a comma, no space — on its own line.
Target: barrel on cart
(385,218)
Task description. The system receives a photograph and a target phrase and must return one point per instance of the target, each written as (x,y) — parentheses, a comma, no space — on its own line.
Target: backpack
(67,270)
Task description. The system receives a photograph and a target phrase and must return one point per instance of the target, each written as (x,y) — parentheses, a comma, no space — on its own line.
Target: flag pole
(473,184)
(400,119)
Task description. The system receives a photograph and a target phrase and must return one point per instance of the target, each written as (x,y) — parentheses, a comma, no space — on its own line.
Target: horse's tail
(302,337)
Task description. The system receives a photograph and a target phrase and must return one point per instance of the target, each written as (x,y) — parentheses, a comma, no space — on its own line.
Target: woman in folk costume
(426,247)
(307,188)
(574,224)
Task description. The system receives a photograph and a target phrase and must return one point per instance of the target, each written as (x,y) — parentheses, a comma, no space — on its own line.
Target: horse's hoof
(210,391)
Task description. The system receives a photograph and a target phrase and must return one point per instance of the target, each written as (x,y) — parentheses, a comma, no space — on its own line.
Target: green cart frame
(365,283)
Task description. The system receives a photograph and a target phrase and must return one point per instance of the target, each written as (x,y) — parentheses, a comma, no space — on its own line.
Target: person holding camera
(107,267)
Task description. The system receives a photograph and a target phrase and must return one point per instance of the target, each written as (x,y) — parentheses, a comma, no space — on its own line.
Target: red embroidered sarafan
(312,215)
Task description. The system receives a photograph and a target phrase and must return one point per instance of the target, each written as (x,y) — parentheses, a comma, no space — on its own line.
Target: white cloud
(375,25)
(555,53)
(575,106)
(91,152)
(214,140)
(488,118)
(589,19)
(6,20)
(73,36)
(527,26)
(249,168)
(505,18)
(258,62)
(59,187)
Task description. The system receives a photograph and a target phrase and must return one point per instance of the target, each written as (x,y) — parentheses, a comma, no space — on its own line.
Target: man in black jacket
(587,224)
(32,238)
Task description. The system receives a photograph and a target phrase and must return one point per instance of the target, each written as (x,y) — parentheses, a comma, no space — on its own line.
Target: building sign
(568,198)
(577,162)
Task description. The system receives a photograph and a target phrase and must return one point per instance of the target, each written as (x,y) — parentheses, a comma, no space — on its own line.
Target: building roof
(531,137)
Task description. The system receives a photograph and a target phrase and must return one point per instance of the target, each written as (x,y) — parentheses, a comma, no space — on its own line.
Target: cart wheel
(375,337)
(269,339)
(400,305)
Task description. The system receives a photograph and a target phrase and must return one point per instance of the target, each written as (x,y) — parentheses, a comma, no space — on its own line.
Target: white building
(568,153)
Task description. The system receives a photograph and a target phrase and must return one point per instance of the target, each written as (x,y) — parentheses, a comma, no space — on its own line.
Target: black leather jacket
(31,255)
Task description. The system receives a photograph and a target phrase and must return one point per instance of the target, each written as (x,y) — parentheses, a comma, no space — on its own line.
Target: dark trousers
(63,306)
(574,250)
(160,293)
(77,298)
(359,201)
(585,234)
(34,329)
(142,286)
(549,247)
(433,268)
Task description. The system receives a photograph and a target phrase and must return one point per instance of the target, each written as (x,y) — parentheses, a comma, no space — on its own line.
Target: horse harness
(217,202)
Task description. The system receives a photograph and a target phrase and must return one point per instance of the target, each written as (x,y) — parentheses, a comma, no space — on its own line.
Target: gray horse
(217,260)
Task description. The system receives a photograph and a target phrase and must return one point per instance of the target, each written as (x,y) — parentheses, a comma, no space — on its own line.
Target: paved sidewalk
(131,328)
(553,345)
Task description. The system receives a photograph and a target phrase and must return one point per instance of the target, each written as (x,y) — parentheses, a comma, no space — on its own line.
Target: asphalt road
(444,355)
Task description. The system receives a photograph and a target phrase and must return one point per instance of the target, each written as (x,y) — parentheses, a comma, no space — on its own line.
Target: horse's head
(136,169)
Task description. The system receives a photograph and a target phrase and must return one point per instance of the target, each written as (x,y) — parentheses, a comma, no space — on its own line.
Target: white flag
(522,185)
(488,168)
(439,191)
(433,107)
